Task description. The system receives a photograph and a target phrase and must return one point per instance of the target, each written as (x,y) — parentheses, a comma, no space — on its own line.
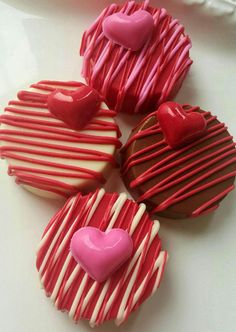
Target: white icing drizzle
(73,201)
(69,257)
(78,295)
(52,257)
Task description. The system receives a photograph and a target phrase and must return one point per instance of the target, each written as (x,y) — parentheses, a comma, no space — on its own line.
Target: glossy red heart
(75,108)
(180,127)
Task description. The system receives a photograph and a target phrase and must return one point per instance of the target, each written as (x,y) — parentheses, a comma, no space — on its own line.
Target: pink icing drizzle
(145,84)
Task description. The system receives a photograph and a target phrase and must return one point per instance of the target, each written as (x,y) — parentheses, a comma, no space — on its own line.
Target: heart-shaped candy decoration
(75,108)
(129,31)
(180,127)
(99,253)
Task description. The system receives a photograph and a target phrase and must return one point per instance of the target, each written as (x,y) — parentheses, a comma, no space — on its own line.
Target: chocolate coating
(205,177)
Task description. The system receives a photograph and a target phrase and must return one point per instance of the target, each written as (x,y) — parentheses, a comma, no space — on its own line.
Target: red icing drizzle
(137,81)
(44,128)
(50,263)
(169,163)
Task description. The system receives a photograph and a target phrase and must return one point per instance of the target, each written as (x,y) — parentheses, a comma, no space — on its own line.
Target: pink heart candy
(99,253)
(129,31)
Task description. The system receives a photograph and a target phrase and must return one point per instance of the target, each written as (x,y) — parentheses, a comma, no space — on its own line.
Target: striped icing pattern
(141,71)
(71,289)
(45,154)
(185,172)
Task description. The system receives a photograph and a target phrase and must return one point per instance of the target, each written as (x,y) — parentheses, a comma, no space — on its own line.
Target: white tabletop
(40,40)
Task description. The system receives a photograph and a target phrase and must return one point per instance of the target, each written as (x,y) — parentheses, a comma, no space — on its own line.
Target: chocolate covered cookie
(180,161)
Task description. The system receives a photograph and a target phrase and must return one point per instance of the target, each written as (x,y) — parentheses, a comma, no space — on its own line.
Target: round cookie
(74,290)
(136,56)
(44,151)
(185,180)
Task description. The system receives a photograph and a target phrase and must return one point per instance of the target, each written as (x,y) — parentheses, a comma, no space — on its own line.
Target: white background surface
(40,40)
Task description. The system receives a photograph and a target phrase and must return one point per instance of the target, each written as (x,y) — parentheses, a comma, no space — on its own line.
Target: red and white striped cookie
(74,290)
(45,152)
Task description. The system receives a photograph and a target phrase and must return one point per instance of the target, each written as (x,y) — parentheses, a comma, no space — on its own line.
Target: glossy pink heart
(129,31)
(99,253)
(75,108)
(180,127)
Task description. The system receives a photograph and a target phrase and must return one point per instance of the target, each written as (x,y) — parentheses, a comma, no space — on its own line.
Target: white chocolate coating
(64,151)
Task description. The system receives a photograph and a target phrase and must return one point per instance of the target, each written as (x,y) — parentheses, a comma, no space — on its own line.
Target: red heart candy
(180,127)
(75,108)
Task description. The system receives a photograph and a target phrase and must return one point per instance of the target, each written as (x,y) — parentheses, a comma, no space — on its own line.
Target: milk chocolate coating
(185,207)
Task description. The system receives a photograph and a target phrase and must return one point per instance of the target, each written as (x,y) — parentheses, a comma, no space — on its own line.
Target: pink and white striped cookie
(136,56)
(71,238)
(58,138)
